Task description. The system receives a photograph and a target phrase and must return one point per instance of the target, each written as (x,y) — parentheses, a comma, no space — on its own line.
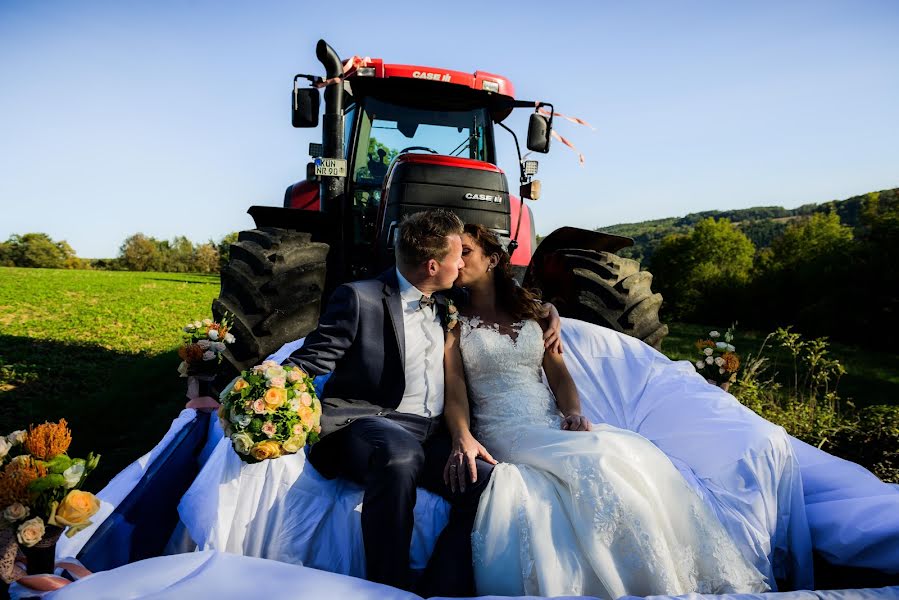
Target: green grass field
(99,348)
(871,377)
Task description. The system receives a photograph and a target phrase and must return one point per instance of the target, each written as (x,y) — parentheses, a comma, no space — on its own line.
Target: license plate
(330,167)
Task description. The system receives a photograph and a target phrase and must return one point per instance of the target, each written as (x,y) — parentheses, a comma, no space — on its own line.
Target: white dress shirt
(424,354)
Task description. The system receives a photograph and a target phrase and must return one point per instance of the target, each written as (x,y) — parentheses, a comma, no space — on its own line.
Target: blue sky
(172,118)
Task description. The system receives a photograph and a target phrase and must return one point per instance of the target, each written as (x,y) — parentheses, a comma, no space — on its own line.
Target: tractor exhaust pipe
(332,129)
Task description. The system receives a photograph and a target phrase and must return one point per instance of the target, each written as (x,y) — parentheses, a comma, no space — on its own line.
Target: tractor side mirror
(304,111)
(539,132)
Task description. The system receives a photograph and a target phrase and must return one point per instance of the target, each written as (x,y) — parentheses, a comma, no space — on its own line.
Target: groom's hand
(462,458)
(552,338)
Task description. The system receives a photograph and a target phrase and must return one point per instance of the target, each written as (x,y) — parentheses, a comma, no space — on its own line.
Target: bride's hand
(552,335)
(576,422)
(462,458)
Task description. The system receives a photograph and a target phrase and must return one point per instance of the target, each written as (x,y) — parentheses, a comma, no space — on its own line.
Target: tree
(806,278)
(698,272)
(206,258)
(37,250)
(6,255)
(139,253)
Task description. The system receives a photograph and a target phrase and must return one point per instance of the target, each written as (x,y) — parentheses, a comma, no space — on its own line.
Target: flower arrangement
(39,486)
(451,317)
(269,411)
(718,362)
(204,342)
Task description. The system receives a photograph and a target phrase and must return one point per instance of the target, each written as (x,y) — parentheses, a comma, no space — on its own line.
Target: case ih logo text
(430,76)
(484,198)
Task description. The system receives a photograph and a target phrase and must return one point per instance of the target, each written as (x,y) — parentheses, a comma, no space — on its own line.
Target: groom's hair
(422,236)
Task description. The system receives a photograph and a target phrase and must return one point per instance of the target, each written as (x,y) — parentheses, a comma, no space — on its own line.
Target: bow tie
(426,301)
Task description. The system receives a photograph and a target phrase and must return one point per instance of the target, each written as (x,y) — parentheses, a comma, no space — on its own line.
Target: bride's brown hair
(520,303)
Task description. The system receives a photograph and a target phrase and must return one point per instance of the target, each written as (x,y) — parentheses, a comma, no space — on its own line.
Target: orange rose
(274,397)
(240,384)
(307,416)
(266,450)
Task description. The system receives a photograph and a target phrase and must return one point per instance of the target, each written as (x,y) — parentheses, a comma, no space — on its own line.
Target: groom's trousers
(391,456)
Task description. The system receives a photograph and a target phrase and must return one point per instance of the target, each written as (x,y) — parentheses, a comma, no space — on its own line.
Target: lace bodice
(504,374)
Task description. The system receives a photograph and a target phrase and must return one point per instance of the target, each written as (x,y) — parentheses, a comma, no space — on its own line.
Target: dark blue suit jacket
(360,340)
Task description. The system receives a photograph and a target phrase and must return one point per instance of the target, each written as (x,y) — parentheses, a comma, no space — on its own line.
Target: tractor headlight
(490,86)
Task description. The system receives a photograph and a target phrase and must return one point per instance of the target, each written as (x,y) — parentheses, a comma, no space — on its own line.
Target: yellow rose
(74,511)
(274,397)
(265,450)
(240,384)
(294,443)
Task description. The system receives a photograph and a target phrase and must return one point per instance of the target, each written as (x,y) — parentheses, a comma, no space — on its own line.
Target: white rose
(700,364)
(17,437)
(5,447)
(207,322)
(209,355)
(714,334)
(189,328)
(273,372)
(708,351)
(294,404)
(73,475)
(204,344)
(242,442)
(719,361)
(244,420)
(730,348)
(213,334)
(197,324)
(720,345)
(30,532)
(218,346)
(15,512)
(229,339)
(709,360)
(721,371)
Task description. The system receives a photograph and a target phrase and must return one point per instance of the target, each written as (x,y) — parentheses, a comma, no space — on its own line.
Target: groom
(382,341)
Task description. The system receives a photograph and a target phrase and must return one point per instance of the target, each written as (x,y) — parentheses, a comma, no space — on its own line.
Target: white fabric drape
(743,466)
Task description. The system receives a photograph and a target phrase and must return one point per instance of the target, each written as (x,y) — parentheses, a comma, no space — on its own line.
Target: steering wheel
(431,150)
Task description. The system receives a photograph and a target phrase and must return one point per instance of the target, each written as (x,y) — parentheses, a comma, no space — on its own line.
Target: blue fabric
(142,523)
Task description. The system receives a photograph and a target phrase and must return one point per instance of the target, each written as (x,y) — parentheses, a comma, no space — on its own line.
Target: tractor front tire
(272,289)
(608,290)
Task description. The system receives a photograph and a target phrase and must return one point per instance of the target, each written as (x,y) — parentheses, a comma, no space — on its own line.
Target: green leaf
(59,464)
(48,482)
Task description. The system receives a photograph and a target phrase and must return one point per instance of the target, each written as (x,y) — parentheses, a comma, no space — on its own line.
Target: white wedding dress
(601,513)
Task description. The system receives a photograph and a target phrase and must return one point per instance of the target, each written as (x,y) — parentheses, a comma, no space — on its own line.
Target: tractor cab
(407,138)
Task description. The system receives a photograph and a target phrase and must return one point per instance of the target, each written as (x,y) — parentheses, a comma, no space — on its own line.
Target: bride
(573,508)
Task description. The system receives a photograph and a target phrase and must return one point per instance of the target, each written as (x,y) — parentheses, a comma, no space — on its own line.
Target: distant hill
(761,224)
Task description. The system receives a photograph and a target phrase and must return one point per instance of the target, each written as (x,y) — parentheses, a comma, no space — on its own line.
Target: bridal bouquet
(204,342)
(718,362)
(269,411)
(40,493)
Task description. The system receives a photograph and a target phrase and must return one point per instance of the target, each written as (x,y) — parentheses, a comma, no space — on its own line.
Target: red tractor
(398,139)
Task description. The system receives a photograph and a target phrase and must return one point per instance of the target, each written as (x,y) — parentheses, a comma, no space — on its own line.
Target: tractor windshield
(386,130)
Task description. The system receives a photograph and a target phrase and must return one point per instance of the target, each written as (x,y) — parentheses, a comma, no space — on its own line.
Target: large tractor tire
(605,289)
(272,286)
